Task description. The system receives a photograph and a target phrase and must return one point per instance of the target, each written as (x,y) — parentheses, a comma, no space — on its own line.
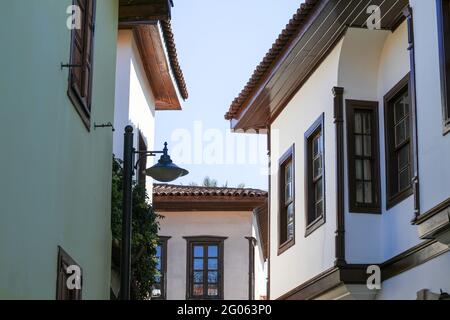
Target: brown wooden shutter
(81,60)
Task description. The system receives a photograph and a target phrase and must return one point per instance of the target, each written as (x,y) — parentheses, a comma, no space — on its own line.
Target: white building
(358,118)
(211,243)
(148,79)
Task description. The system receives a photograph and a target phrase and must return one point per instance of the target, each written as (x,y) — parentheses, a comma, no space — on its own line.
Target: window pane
(198,277)
(198,264)
(403,157)
(367,123)
(213,277)
(358,123)
(318,190)
(400,132)
(198,290)
(358,145)
(290,231)
(198,251)
(316,146)
(288,192)
(317,167)
(319,209)
(213,251)
(158,251)
(404,179)
(213,290)
(359,169)
(367,146)
(399,109)
(288,171)
(368,192)
(213,264)
(359,192)
(290,213)
(367,170)
(157,278)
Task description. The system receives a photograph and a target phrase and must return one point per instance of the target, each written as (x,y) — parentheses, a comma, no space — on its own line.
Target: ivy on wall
(144,241)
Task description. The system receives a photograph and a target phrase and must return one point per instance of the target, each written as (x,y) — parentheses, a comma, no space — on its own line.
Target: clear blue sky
(219,44)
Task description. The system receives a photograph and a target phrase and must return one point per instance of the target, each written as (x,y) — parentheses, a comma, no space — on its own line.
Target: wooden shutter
(81,60)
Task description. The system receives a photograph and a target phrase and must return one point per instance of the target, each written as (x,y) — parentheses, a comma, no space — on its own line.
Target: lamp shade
(165,170)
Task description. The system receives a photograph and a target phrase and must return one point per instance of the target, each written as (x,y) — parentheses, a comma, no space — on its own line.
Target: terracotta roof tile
(173,57)
(168,190)
(284,39)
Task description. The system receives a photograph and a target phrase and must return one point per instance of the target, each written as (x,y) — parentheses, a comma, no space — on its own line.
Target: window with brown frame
(443,15)
(159,291)
(286,224)
(142,176)
(315,176)
(399,157)
(81,61)
(205,268)
(363,156)
(63,292)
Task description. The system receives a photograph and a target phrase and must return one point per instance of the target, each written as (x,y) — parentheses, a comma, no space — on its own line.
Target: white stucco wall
(234,225)
(432,275)
(135,103)
(434,148)
(314,254)
(260,264)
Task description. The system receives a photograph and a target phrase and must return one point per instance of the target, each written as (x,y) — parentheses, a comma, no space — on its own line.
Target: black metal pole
(125,259)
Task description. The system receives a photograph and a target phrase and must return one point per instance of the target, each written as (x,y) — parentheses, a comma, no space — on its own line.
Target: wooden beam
(143,11)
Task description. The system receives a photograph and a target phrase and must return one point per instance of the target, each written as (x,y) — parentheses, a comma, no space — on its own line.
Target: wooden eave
(202,203)
(310,45)
(157,68)
(132,12)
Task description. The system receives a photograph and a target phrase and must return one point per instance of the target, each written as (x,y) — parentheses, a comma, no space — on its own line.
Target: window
(286,216)
(443,13)
(363,156)
(398,143)
(160,284)
(67,275)
(81,61)
(315,176)
(142,176)
(205,268)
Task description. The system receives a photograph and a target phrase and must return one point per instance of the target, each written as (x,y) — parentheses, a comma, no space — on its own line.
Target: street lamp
(164,171)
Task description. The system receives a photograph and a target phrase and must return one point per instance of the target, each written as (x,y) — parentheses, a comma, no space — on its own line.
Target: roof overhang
(157,67)
(325,23)
(205,203)
(132,12)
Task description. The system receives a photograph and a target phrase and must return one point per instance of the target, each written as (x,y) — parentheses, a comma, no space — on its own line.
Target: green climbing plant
(144,240)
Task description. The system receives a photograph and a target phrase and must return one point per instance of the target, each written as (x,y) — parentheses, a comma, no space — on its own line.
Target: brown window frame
(62,292)
(81,72)
(284,243)
(204,241)
(394,198)
(443,18)
(318,128)
(163,242)
(369,107)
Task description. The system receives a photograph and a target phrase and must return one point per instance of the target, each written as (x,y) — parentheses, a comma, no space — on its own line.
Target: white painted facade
(135,103)
(367,64)
(235,226)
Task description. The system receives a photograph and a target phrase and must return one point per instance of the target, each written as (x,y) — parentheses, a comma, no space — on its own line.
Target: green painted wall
(55,176)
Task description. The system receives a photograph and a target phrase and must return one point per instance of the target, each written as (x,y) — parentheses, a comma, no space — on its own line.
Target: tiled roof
(168,190)
(286,36)
(173,57)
